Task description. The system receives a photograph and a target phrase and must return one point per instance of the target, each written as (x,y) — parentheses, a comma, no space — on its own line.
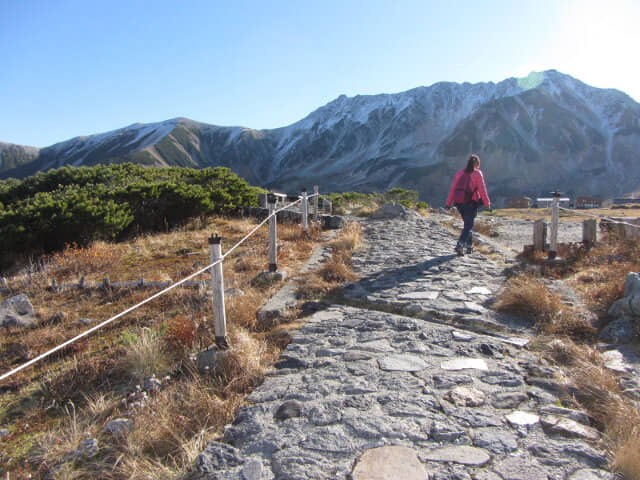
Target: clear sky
(78,67)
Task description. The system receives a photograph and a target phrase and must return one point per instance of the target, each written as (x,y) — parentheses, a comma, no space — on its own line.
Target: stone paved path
(366,394)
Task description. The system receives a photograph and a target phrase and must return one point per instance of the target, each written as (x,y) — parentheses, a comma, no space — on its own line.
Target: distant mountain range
(535,134)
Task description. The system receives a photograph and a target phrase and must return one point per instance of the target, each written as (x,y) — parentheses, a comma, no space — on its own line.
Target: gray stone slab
(465,364)
(376,346)
(569,428)
(429,295)
(519,418)
(479,291)
(403,362)
(520,468)
(461,336)
(614,360)
(385,463)
(463,454)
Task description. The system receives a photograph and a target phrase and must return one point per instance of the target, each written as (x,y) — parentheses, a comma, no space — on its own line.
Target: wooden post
(589,232)
(4,284)
(539,235)
(553,242)
(262,200)
(273,234)
(217,285)
(315,202)
(305,209)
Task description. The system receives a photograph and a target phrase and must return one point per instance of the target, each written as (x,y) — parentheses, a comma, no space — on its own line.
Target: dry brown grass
(337,269)
(159,337)
(598,391)
(530,297)
(600,275)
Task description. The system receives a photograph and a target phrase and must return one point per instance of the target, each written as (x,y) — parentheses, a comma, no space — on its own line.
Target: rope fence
(219,320)
(600,217)
(588,229)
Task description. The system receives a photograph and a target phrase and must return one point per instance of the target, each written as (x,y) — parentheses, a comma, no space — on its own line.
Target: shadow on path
(390,277)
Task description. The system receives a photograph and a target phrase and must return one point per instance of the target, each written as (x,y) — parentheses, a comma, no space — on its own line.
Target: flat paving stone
(464,455)
(465,364)
(569,428)
(419,296)
(403,362)
(479,291)
(388,463)
(520,468)
(520,418)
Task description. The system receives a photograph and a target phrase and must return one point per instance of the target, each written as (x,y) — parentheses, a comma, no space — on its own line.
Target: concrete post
(589,232)
(555,213)
(305,210)
(539,235)
(217,285)
(315,203)
(273,234)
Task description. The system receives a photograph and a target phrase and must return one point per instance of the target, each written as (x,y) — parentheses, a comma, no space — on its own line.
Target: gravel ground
(516,233)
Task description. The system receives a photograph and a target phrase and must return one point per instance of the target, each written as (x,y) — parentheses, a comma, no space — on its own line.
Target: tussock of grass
(145,355)
(531,298)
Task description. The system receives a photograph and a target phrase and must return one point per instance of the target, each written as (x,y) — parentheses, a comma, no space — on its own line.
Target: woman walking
(467,193)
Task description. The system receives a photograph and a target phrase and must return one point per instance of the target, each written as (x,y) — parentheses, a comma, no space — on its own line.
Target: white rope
(599,217)
(130,309)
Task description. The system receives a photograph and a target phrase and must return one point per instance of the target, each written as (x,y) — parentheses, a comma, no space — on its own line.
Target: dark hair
(474,161)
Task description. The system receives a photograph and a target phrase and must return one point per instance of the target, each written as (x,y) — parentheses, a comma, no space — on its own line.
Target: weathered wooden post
(262,200)
(273,234)
(539,235)
(217,285)
(305,209)
(555,211)
(326,206)
(589,232)
(315,202)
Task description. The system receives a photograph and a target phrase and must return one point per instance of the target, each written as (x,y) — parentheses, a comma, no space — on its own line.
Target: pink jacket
(476,183)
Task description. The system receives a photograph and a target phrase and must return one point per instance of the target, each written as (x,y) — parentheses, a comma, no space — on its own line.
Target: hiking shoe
(459,251)
(468,250)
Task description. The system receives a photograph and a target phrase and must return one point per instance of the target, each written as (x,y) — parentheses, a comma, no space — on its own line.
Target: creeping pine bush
(78,205)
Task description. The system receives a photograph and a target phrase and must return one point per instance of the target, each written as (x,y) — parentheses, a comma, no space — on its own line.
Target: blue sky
(70,67)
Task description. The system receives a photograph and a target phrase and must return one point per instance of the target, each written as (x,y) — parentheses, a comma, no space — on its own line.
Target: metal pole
(305,209)
(273,234)
(217,285)
(553,242)
(315,202)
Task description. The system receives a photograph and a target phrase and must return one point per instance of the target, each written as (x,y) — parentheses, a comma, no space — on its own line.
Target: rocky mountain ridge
(546,131)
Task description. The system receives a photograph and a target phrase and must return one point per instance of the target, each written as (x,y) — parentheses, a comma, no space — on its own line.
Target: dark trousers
(468,212)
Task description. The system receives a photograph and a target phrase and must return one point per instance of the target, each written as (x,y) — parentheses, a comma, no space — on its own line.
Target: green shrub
(44,212)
